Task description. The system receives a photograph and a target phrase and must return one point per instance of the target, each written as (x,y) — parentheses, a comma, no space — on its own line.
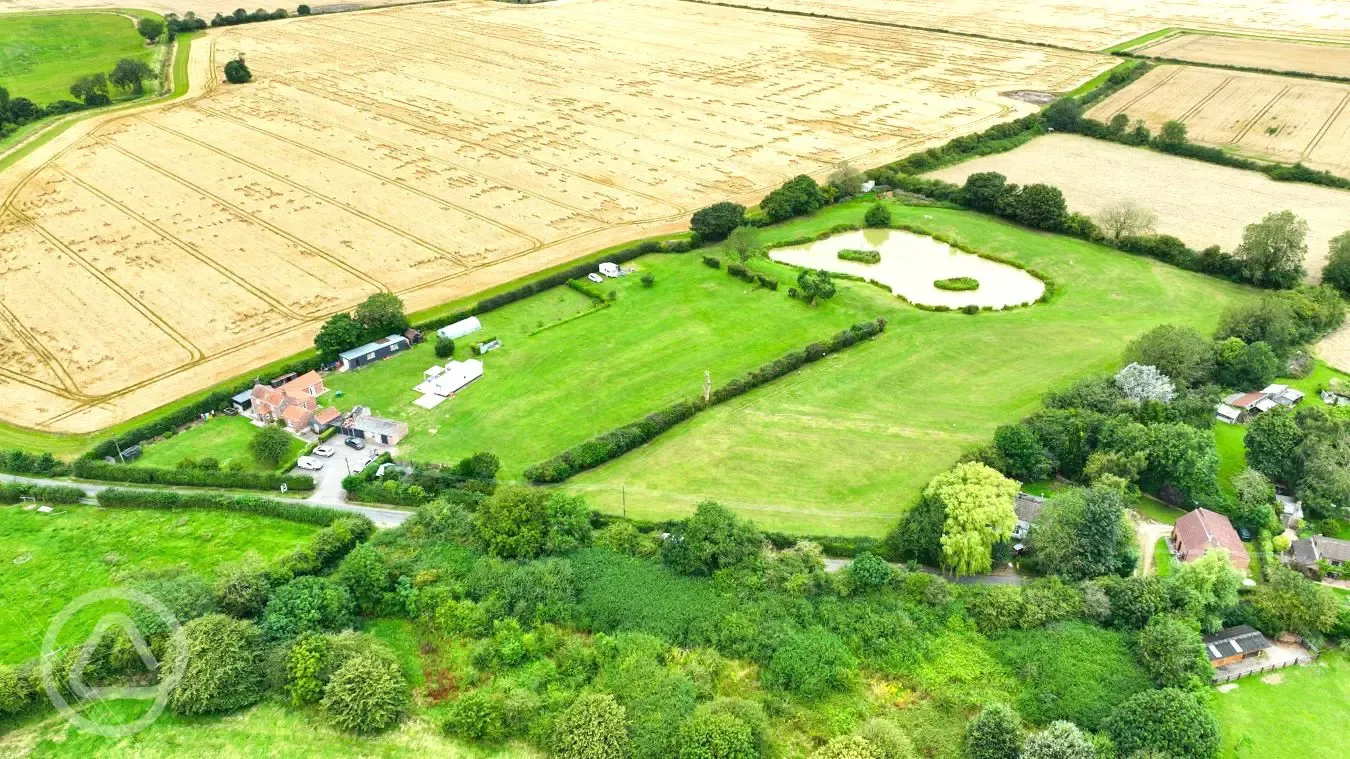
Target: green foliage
(236,72)
(306,663)
(715,735)
(799,195)
(1273,249)
(715,222)
(270,445)
(366,694)
(846,747)
(365,576)
(1243,366)
(1169,720)
(1019,453)
(1288,601)
(861,256)
(918,535)
(811,663)
(744,242)
(1269,440)
(878,216)
(223,667)
(1182,353)
(1061,740)
(150,28)
(1085,533)
(984,190)
(869,571)
(1071,671)
(815,285)
(1037,205)
(307,604)
(957,284)
(994,733)
(1337,270)
(713,539)
(186,595)
(593,727)
(978,503)
(1173,654)
(130,74)
(340,333)
(445,347)
(523,523)
(1064,114)
(1206,590)
(381,314)
(16,691)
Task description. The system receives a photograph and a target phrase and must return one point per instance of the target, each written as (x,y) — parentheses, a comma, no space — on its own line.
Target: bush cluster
(169,500)
(957,284)
(91,469)
(17,461)
(610,445)
(14,492)
(861,256)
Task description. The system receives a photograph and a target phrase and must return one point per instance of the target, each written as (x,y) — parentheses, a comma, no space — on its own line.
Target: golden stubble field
(433,151)
(1252,52)
(1273,118)
(1088,24)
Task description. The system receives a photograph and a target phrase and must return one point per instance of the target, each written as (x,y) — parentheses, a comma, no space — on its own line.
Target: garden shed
(371,352)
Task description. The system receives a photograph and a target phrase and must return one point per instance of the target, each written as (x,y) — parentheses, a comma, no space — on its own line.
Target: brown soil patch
(1201,203)
(1272,118)
(1275,55)
(433,151)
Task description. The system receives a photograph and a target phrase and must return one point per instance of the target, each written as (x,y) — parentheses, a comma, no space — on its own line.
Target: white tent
(460,328)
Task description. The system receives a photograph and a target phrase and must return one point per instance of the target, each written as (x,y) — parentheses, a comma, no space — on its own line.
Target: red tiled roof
(1248,400)
(267,395)
(302,384)
(1202,529)
(297,414)
(327,415)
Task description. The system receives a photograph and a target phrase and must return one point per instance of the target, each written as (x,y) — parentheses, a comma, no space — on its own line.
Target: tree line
(128,77)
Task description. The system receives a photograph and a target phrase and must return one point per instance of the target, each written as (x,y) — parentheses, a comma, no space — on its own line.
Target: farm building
(1197,532)
(1229,414)
(371,352)
(460,328)
(1234,645)
(1307,553)
(1283,394)
(377,429)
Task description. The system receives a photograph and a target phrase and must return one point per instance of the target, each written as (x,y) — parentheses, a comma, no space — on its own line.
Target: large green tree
(523,523)
(1337,270)
(340,333)
(1273,249)
(1085,533)
(1173,653)
(1170,721)
(1182,353)
(1291,602)
(714,539)
(381,314)
(130,74)
(714,223)
(1271,440)
(1206,590)
(978,505)
(269,445)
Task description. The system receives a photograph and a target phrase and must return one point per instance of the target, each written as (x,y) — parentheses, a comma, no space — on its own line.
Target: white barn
(460,328)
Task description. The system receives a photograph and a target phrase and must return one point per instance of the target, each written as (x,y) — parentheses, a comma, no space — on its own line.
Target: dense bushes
(714,223)
(170,500)
(1169,721)
(615,443)
(16,461)
(90,469)
(957,284)
(366,694)
(797,197)
(14,492)
(222,666)
(861,256)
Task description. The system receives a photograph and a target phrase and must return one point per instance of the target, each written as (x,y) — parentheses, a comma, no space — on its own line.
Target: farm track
(648,172)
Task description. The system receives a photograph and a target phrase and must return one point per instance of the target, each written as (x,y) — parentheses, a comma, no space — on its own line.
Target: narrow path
(381,517)
(1007,577)
(1147,532)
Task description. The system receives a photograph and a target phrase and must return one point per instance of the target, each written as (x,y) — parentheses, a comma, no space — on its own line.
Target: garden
(222,441)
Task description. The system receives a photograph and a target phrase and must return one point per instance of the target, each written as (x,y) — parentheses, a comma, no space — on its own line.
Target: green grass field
(1162,558)
(47,560)
(41,54)
(845,445)
(1229,440)
(1298,717)
(546,391)
(225,438)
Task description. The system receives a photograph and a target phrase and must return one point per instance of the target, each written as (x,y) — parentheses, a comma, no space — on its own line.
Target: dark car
(356,442)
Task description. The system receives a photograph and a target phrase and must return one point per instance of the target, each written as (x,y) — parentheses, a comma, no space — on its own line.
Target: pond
(911,263)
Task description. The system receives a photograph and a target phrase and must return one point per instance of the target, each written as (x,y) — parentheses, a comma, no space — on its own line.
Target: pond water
(910,264)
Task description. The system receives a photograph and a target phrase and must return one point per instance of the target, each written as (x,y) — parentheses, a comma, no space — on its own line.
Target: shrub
(169,500)
(593,727)
(712,262)
(714,735)
(445,347)
(648,279)
(16,692)
(957,284)
(366,694)
(365,576)
(799,195)
(810,664)
(994,733)
(307,604)
(861,256)
(302,10)
(766,281)
(523,523)
(713,539)
(715,222)
(878,216)
(1170,721)
(970,310)
(1061,740)
(236,72)
(1173,653)
(195,476)
(223,667)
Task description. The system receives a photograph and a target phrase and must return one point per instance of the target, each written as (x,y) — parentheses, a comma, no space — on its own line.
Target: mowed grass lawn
(42,54)
(224,438)
(845,445)
(544,392)
(48,560)
(1302,716)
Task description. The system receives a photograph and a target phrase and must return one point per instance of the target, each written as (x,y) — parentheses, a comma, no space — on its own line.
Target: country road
(381,517)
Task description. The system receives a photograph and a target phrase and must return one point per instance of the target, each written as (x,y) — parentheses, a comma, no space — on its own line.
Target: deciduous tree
(1337,270)
(815,285)
(1181,353)
(269,446)
(1170,721)
(879,217)
(978,504)
(150,28)
(1140,383)
(1085,533)
(340,333)
(381,314)
(130,74)
(714,539)
(236,72)
(994,733)
(714,223)
(1173,653)
(1125,219)
(1273,249)
(744,241)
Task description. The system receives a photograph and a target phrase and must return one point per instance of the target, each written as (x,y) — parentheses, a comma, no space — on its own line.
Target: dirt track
(433,151)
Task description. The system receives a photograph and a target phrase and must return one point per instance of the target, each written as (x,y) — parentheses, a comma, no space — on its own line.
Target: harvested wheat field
(1261,116)
(1252,52)
(1088,24)
(433,151)
(1201,203)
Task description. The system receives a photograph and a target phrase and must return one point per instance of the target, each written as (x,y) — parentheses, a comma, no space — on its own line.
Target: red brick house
(1202,529)
(295,402)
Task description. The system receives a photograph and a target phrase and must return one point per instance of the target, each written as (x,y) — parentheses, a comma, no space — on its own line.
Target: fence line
(1220,679)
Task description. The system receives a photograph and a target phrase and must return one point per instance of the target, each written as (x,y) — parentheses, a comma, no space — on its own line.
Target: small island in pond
(861,256)
(957,284)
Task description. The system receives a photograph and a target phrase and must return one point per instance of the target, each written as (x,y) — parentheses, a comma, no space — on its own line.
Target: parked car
(595,278)
(324,450)
(310,463)
(355,442)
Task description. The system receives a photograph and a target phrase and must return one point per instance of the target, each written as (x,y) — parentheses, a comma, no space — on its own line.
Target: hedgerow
(14,492)
(91,469)
(171,500)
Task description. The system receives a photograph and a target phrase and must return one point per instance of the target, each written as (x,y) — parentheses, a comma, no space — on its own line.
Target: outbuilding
(1234,645)
(460,328)
(243,400)
(610,269)
(371,352)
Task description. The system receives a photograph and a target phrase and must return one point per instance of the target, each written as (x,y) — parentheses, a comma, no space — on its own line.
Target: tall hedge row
(616,442)
(171,500)
(92,469)
(13,492)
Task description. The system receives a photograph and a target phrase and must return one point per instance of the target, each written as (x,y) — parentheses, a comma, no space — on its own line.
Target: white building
(460,328)
(610,269)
